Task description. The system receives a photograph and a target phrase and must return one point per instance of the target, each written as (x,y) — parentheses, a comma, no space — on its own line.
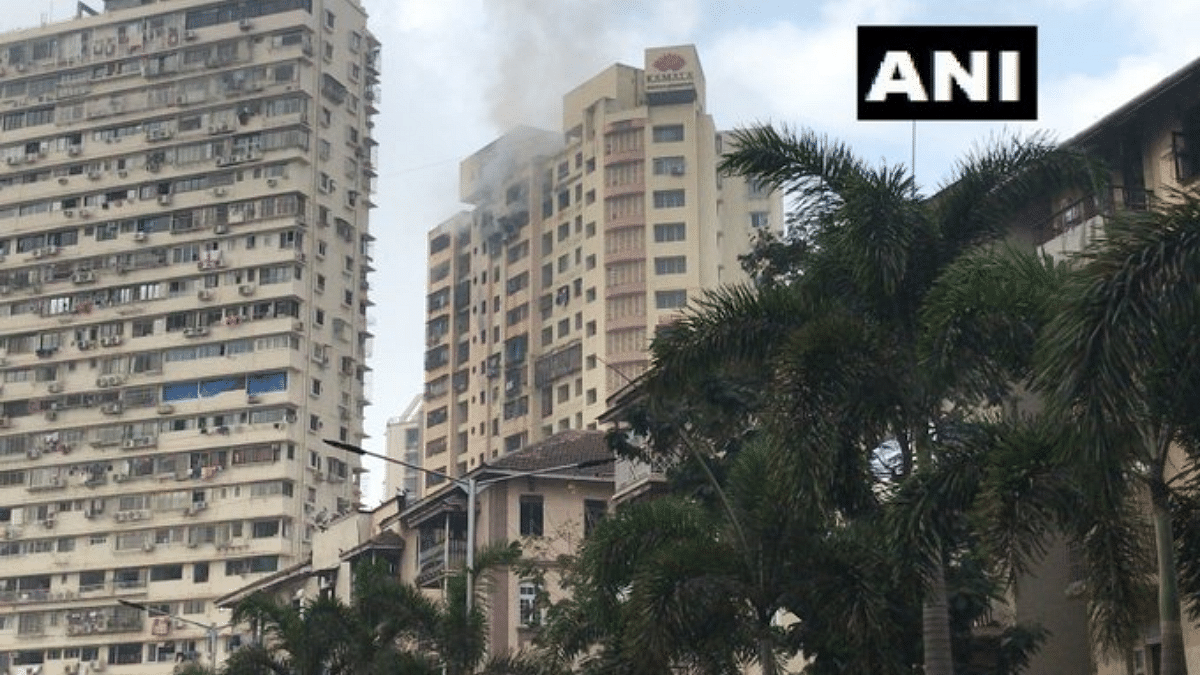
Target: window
(1186,149)
(529,613)
(759,219)
(669,166)
(666,232)
(670,299)
(517,283)
(668,199)
(668,133)
(593,512)
(166,573)
(531,516)
(675,264)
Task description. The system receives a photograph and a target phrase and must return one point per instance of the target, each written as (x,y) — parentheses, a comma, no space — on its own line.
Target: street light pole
(210,628)
(472,487)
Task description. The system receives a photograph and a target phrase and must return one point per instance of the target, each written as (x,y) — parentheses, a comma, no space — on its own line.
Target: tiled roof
(565,447)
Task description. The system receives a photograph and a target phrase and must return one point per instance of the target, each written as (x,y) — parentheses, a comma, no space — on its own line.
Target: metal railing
(1117,198)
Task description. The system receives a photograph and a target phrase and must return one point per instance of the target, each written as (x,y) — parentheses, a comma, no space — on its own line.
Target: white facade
(184,254)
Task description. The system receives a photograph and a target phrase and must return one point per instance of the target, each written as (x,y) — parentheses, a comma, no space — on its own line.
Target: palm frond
(982,317)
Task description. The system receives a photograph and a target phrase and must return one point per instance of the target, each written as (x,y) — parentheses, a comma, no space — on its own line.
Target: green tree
(706,583)
(838,353)
(388,628)
(1120,359)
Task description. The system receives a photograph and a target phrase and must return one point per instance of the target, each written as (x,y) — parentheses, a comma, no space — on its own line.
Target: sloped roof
(565,447)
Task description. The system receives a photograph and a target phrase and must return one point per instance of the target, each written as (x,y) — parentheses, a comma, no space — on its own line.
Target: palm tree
(835,354)
(388,628)
(309,639)
(1120,359)
(700,583)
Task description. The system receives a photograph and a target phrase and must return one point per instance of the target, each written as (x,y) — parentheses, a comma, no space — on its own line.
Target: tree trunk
(766,656)
(935,625)
(1169,621)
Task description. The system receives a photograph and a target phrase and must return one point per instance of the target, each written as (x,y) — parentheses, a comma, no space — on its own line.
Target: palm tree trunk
(766,656)
(935,624)
(1169,621)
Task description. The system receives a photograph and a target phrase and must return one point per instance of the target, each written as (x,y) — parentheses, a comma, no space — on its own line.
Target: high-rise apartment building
(183,284)
(543,298)
(404,444)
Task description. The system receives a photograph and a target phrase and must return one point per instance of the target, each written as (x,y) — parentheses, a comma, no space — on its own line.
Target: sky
(459,73)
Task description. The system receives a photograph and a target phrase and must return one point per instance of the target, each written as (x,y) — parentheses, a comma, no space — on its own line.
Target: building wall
(183,286)
(403,437)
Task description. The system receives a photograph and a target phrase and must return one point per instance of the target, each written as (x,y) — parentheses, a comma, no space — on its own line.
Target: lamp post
(472,487)
(210,628)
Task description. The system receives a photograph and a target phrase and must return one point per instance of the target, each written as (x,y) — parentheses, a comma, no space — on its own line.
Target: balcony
(1083,210)
(436,560)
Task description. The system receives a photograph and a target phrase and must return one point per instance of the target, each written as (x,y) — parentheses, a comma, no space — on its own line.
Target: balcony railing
(435,560)
(1118,198)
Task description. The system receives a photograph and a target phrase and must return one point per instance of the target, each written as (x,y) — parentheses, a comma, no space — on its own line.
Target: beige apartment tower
(544,296)
(184,255)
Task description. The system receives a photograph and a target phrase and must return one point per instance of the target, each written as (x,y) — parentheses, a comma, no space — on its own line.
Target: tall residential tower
(543,298)
(184,255)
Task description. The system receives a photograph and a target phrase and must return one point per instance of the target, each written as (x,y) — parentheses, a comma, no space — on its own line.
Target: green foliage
(389,628)
(898,315)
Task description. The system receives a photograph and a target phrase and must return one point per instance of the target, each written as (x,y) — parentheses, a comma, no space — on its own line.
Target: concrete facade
(184,254)
(404,444)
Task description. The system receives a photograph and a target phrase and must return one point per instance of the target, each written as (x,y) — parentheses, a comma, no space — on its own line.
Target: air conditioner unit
(164,200)
(85,344)
(123,173)
(94,175)
(166,409)
(250,398)
(189,35)
(129,443)
(245,24)
(74,151)
(272,182)
(14,160)
(246,289)
(219,191)
(195,331)
(205,294)
(55,387)
(220,229)
(111,408)
(110,341)
(5,422)
(139,236)
(83,277)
